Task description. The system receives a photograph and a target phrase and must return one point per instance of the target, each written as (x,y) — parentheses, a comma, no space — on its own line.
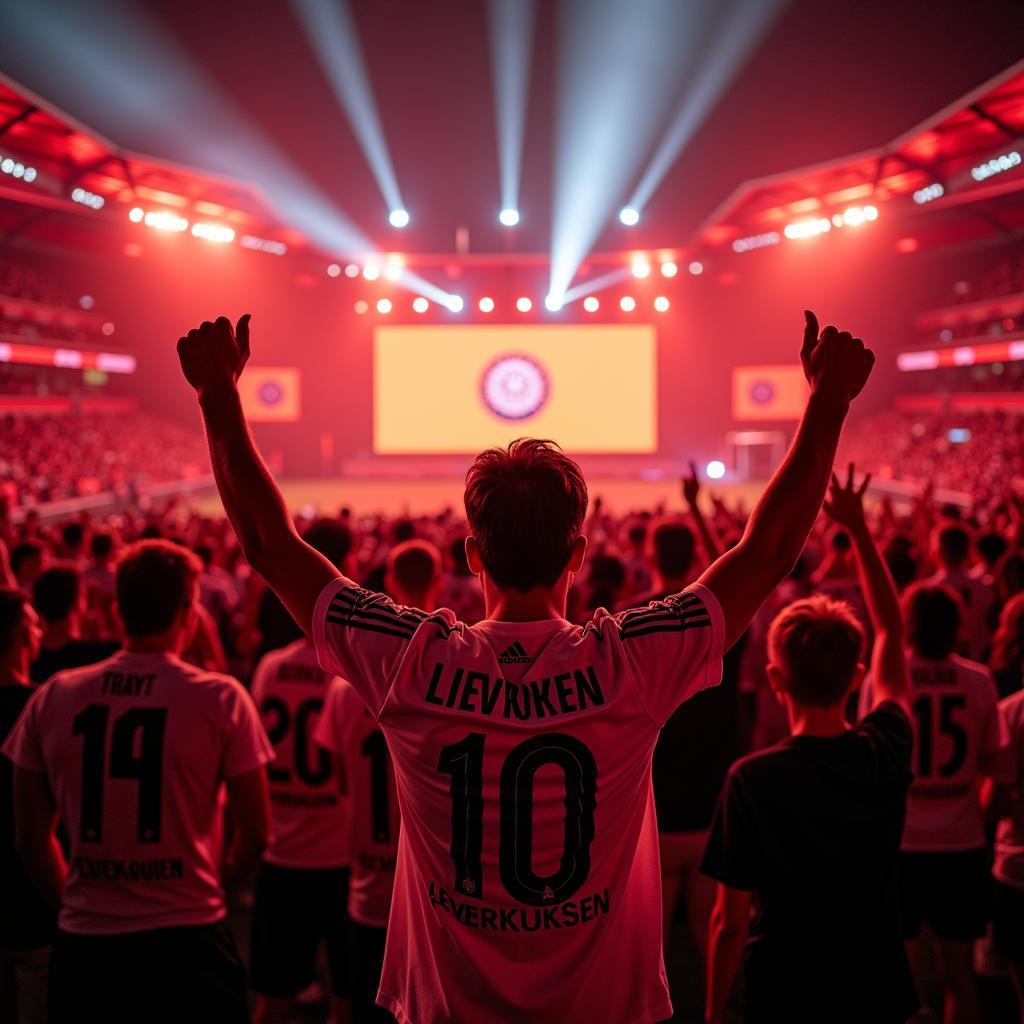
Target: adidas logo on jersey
(514,654)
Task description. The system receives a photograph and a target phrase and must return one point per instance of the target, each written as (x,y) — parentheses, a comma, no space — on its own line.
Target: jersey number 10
(463,761)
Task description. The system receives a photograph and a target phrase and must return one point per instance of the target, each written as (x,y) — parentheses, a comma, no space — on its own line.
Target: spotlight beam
(743,25)
(607,113)
(511,34)
(596,284)
(331,32)
(123,68)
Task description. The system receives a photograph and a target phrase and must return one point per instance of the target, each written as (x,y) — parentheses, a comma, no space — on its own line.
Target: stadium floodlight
(213,232)
(510,24)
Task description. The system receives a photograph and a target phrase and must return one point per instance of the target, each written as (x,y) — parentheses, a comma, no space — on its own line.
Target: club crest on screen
(514,387)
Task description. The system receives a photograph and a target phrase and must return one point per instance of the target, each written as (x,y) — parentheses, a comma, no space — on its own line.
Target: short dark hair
(13,601)
(991,546)
(333,539)
(415,566)
(56,592)
(818,643)
(525,505)
(672,546)
(403,529)
(24,551)
(155,579)
(932,614)
(839,540)
(73,534)
(954,544)
(457,551)
(102,544)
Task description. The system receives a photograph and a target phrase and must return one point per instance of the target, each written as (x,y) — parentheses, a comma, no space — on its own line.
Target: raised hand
(845,503)
(691,486)
(836,364)
(214,354)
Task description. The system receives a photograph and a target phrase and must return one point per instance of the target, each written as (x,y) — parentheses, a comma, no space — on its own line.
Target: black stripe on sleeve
(354,616)
(673,610)
(374,604)
(679,627)
(350,624)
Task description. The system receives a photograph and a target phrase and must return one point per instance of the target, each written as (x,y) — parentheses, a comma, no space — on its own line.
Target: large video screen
(446,390)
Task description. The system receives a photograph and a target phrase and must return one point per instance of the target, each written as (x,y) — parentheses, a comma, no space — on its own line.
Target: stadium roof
(65,156)
(958,176)
(970,156)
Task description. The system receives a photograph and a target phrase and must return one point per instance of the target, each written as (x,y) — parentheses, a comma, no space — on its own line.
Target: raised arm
(212,359)
(845,504)
(837,367)
(691,494)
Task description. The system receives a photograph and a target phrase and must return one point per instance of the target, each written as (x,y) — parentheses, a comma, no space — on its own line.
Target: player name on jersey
(115,869)
(520,919)
(476,692)
(128,684)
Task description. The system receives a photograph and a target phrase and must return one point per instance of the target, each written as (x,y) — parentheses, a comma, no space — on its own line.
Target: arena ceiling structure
(333,131)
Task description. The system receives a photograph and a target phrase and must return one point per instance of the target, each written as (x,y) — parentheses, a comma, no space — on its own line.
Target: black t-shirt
(812,827)
(697,745)
(73,654)
(696,748)
(26,919)
(277,627)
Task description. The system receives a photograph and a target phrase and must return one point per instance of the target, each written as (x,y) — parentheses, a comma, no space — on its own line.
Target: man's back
(812,827)
(527,864)
(310,819)
(136,750)
(956,726)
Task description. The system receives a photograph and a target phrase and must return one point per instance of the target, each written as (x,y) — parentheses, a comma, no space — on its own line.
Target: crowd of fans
(1004,277)
(969,566)
(20,281)
(49,458)
(979,454)
(976,453)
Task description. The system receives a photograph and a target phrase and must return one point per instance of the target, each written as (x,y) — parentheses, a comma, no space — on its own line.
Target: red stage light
(907,245)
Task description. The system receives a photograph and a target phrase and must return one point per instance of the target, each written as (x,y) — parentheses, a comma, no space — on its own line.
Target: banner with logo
(591,388)
(768,392)
(271,394)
